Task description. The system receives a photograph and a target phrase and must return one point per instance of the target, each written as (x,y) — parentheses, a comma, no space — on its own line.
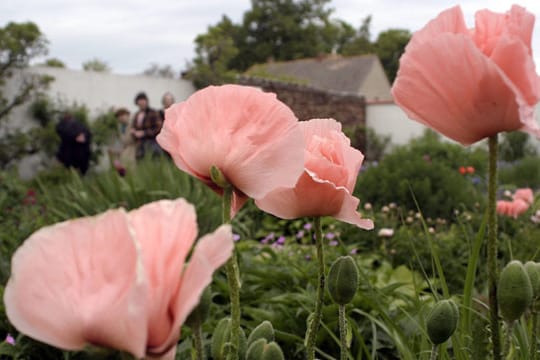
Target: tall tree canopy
(19,44)
(284,30)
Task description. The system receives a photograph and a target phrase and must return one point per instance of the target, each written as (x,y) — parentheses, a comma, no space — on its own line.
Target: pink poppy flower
(525,195)
(469,84)
(252,137)
(513,208)
(114,280)
(326,185)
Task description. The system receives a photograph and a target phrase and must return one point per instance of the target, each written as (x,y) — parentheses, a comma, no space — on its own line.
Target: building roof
(362,75)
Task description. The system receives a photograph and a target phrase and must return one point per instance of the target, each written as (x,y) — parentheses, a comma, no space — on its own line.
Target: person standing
(145,127)
(75,138)
(167,100)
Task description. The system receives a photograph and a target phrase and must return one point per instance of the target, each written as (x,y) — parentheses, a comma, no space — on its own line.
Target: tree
(283,30)
(97,65)
(390,45)
(19,44)
(215,50)
(360,43)
(54,62)
(163,71)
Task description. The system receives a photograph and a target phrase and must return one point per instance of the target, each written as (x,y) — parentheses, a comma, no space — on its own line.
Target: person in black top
(75,138)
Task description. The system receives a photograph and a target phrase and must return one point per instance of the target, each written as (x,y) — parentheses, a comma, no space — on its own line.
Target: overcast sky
(131,34)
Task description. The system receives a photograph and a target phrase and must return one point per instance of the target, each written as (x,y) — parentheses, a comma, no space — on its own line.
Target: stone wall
(308,103)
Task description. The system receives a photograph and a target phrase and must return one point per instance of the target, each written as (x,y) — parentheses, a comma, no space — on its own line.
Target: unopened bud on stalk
(515,291)
(263,350)
(343,280)
(221,345)
(534,276)
(265,330)
(442,321)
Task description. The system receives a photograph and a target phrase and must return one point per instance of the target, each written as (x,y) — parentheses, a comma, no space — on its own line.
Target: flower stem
(534,334)
(433,352)
(233,279)
(508,338)
(313,325)
(343,332)
(197,341)
(492,249)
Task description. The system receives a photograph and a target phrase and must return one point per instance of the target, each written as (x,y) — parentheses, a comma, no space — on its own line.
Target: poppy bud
(343,280)
(221,346)
(534,276)
(515,291)
(442,321)
(265,330)
(218,177)
(262,350)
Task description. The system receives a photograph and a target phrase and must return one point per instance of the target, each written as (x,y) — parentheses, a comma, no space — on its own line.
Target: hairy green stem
(343,332)
(492,249)
(313,326)
(508,338)
(534,333)
(433,352)
(198,341)
(233,279)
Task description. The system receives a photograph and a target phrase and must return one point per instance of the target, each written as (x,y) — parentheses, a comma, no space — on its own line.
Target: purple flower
(300,234)
(308,257)
(333,243)
(267,239)
(10,339)
(354,251)
(330,235)
(308,226)
(236,237)
(280,240)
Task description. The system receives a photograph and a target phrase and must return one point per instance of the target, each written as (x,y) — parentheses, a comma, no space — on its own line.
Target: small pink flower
(526,195)
(10,339)
(326,185)
(116,280)
(250,136)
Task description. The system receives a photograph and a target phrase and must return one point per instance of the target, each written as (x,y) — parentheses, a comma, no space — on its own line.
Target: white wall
(387,119)
(98,91)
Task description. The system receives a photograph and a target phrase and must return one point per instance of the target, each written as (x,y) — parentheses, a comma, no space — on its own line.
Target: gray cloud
(130,34)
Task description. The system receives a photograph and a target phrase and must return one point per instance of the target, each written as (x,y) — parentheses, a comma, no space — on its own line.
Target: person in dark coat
(75,138)
(146,125)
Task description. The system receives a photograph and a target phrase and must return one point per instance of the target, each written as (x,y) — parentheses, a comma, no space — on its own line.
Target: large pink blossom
(469,84)
(116,280)
(249,135)
(326,185)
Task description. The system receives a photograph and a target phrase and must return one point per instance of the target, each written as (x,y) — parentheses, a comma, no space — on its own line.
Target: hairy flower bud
(343,280)
(442,321)
(515,291)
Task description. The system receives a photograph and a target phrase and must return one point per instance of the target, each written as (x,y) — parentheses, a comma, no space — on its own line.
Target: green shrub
(522,173)
(428,170)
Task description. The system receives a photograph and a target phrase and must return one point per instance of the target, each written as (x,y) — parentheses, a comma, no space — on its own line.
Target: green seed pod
(220,346)
(515,291)
(220,338)
(442,321)
(265,330)
(534,276)
(255,349)
(343,280)
(200,313)
(262,350)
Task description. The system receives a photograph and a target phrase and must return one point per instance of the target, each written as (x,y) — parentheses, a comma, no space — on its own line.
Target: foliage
(163,71)
(515,145)
(215,50)
(286,30)
(19,44)
(389,46)
(54,62)
(522,173)
(96,65)
(425,172)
